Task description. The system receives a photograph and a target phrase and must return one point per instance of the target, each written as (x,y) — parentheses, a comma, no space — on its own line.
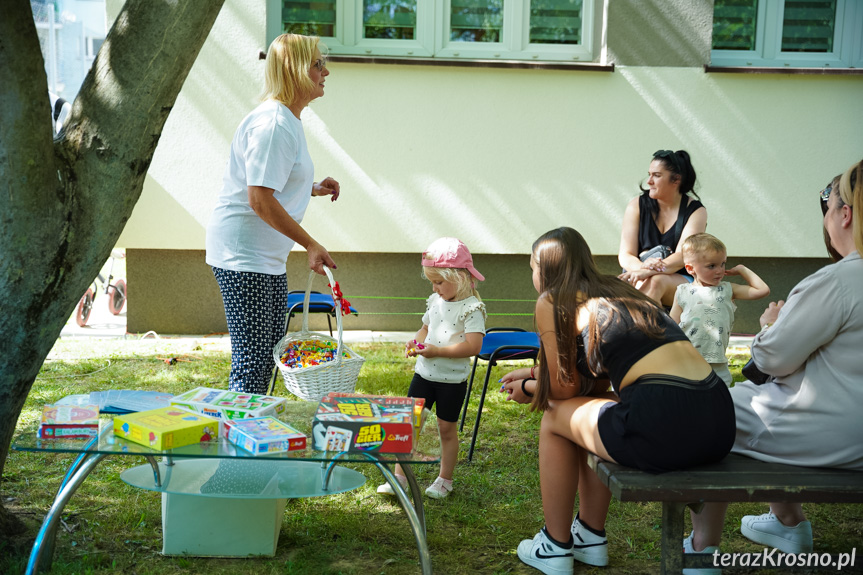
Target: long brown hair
(569,277)
(851,193)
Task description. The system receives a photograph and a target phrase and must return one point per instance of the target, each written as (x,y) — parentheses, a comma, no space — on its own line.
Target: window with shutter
(787,33)
(538,30)
(390,20)
(316,18)
(555,21)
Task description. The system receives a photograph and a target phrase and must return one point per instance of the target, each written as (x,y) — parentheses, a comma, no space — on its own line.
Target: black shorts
(664,423)
(447,396)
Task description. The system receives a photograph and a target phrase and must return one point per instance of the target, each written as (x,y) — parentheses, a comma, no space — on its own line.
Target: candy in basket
(314,364)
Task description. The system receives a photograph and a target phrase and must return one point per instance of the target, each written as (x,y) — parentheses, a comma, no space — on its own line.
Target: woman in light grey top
(808,412)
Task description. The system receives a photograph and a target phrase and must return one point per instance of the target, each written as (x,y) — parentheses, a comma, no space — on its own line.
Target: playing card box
(265,435)
(166,427)
(365,423)
(229,405)
(69,422)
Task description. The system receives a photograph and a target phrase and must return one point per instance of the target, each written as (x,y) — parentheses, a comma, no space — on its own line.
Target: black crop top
(648,233)
(623,344)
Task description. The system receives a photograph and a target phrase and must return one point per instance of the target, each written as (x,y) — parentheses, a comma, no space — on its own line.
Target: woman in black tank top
(673,411)
(663,215)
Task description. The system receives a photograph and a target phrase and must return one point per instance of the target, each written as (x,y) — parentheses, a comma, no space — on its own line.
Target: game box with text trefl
(353,422)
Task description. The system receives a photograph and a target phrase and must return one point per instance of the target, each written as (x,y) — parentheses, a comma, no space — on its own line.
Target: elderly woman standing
(808,414)
(266,189)
(663,215)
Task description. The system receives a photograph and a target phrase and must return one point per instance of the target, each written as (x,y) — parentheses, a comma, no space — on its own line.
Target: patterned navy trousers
(255,307)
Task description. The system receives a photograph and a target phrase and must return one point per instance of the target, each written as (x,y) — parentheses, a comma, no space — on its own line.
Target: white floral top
(708,312)
(448,323)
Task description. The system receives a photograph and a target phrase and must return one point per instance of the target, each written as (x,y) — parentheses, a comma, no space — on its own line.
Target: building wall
(497,157)
(386,289)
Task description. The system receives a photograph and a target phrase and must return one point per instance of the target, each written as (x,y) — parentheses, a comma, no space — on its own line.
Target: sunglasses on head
(669,155)
(825,196)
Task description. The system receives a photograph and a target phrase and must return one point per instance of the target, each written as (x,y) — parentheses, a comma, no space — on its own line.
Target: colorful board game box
(229,405)
(418,403)
(166,427)
(365,423)
(69,422)
(265,435)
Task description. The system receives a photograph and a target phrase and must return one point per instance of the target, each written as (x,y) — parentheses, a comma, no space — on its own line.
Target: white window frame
(433,35)
(847,45)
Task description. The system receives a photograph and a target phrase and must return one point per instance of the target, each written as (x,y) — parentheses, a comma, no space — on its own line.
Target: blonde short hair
(286,77)
(461,277)
(698,244)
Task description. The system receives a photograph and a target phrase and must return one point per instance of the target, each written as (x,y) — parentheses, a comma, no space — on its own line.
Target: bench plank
(734,479)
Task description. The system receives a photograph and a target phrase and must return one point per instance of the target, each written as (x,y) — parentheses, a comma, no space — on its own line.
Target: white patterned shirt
(448,322)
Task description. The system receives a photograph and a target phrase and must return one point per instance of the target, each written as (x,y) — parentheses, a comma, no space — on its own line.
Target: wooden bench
(734,479)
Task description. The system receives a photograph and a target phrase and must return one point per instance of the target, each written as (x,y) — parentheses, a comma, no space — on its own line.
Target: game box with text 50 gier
(365,423)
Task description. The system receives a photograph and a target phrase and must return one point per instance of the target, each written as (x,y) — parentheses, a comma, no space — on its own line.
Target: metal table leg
(43,548)
(415,513)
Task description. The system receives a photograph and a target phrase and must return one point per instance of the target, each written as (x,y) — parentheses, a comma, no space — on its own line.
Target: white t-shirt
(448,323)
(269,149)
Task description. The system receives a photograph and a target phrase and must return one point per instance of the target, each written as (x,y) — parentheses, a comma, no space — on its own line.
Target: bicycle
(116,293)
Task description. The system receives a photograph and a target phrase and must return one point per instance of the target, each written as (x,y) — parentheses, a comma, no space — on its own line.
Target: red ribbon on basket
(337,296)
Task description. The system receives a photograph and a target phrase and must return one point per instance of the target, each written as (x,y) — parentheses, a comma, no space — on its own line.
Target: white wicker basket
(314,382)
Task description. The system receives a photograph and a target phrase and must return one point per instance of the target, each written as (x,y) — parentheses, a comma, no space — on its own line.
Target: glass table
(221,469)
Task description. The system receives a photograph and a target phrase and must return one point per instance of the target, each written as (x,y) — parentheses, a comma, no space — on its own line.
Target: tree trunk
(65,200)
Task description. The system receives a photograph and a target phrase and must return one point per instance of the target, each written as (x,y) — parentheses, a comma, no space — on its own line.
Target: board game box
(352,422)
(229,405)
(265,435)
(418,403)
(166,427)
(69,422)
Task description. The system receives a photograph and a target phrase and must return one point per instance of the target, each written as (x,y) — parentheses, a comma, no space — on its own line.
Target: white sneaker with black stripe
(541,553)
(588,547)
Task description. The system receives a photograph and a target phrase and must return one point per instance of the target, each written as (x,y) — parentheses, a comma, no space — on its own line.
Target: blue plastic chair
(318,303)
(499,344)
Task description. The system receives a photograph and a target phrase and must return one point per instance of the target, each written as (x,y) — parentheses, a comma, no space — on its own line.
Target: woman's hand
(655,264)
(771,313)
(514,391)
(516,374)
(327,187)
(636,276)
(319,257)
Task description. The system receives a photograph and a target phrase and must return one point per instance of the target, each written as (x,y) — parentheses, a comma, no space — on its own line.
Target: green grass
(111,527)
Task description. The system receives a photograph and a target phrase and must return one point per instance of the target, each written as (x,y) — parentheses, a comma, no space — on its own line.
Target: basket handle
(329,274)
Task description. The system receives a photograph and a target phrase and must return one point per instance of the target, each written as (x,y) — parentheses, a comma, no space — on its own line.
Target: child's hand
(426,350)
(735,271)
(413,347)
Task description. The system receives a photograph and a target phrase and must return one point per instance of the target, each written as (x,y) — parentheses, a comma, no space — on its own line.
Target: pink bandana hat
(450,253)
